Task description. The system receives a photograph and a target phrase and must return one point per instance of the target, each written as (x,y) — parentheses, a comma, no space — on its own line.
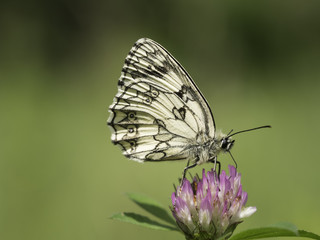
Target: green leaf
(142,221)
(278,230)
(306,234)
(286,225)
(151,206)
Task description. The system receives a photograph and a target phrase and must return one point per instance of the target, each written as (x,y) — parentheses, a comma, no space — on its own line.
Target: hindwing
(158,112)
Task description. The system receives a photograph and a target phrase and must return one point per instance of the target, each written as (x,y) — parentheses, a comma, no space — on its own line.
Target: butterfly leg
(186,169)
(216,163)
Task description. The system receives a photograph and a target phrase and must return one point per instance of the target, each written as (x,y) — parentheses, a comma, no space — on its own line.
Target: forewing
(158,112)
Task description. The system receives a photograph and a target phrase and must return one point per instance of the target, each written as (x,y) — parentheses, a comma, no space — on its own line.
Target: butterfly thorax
(208,148)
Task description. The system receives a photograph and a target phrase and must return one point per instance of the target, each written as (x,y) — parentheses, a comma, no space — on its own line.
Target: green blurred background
(257,62)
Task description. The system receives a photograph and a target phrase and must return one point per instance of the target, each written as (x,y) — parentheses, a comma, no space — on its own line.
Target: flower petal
(173,198)
(247,212)
(211,205)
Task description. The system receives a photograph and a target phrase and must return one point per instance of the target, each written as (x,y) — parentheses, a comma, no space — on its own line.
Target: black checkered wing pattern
(158,113)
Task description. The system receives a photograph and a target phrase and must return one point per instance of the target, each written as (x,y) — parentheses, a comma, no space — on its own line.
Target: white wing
(158,112)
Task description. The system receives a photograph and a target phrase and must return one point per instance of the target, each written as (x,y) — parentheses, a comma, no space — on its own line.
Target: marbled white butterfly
(159,114)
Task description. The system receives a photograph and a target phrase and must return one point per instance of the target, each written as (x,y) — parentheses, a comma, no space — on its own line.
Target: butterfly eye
(224,143)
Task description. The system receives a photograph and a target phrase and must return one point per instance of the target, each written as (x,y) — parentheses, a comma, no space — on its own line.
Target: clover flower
(211,207)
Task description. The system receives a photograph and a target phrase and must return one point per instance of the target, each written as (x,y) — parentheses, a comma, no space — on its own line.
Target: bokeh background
(257,63)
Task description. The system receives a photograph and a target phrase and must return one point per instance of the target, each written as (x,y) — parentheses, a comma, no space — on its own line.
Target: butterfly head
(226,144)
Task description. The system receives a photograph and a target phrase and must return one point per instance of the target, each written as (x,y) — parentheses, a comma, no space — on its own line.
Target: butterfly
(159,114)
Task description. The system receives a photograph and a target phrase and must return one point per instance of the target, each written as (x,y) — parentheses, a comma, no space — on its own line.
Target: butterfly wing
(158,113)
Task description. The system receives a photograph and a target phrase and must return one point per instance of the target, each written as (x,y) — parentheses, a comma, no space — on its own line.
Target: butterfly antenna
(248,130)
(235,163)
(230,132)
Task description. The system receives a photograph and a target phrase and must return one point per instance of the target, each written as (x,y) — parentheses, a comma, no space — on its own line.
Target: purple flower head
(210,207)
